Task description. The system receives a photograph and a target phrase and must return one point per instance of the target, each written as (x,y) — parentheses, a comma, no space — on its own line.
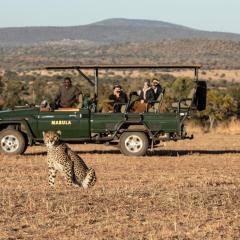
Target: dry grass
(217,74)
(231,128)
(186,190)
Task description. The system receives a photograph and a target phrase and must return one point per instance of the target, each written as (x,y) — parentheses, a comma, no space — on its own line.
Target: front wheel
(12,142)
(134,143)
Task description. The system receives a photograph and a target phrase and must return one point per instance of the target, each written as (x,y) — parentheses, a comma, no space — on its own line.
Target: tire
(133,143)
(12,142)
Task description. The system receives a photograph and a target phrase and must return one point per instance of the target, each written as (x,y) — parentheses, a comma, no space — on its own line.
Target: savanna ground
(184,190)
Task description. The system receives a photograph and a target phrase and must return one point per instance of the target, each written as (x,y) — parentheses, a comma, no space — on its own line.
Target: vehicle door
(73,123)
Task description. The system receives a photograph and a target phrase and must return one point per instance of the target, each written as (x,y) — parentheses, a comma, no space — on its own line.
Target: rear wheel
(134,143)
(12,142)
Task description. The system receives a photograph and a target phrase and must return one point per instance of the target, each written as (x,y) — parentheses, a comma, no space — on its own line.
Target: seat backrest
(138,107)
(123,108)
(157,104)
(132,99)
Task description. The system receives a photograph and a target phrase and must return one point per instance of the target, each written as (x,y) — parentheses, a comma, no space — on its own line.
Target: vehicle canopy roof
(123,66)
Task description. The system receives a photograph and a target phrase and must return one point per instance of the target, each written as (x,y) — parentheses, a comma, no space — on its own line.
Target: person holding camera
(157,88)
(118,98)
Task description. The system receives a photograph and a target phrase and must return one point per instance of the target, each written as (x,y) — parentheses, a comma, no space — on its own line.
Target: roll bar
(96,69)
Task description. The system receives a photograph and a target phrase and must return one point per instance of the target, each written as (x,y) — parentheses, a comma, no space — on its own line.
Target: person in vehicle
(118,98)
(68,95)
(147,94)
(157,88)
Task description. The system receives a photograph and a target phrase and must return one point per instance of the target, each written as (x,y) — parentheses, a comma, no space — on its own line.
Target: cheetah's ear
(43,133)
(59,132)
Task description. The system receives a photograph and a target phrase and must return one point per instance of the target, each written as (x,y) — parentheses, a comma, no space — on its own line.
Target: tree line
(223,98)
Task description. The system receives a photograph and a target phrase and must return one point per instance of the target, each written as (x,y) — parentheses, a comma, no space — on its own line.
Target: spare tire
(200,100)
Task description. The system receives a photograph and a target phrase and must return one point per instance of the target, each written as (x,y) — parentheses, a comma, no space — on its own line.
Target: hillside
(107,32)
(212,54)
(118,41)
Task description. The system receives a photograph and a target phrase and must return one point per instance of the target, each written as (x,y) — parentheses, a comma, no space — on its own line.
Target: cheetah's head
(51,138)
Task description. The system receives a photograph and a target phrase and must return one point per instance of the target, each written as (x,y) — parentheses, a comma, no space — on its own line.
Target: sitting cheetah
(61,158)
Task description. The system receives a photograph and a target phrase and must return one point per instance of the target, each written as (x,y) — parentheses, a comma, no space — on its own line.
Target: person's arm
(77,92)
(111,97)
(58,95)
(141,95)
(123,98)
(151,96)
(126,98)
(159,90)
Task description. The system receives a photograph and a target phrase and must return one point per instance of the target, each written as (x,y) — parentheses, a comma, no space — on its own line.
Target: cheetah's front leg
(51,176)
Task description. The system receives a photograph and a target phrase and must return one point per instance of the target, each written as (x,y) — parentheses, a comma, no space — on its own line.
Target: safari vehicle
(134,133)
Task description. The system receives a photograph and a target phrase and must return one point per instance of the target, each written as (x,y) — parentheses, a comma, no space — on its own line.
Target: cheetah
(62,159)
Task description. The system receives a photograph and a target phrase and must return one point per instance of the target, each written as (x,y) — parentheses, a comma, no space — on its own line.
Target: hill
(107,32)
(212,54)
(118,41)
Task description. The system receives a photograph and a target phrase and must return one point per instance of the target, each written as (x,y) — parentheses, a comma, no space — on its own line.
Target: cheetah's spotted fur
(61,158)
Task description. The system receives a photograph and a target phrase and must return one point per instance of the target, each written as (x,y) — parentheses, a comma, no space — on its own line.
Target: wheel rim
(10,143)
(133,143)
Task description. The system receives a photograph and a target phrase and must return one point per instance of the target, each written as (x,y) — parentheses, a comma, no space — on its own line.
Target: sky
(212,15)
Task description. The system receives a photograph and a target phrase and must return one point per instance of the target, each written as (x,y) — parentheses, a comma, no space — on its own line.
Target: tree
(182,87)
(11,94)
(219,106)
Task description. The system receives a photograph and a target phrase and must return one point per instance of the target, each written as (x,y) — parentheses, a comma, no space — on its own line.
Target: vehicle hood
(22,113)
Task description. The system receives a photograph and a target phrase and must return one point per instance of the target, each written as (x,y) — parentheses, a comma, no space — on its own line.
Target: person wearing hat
(147,94)
(118,97)
(157,88)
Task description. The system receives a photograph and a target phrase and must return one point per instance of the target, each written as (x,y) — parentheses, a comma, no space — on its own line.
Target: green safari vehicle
(134,133)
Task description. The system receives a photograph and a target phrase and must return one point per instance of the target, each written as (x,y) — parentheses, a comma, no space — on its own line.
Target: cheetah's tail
(90,178)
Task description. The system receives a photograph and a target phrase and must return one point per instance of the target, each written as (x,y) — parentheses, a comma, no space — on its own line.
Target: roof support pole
(96,81)
(196,74)
(85,76)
